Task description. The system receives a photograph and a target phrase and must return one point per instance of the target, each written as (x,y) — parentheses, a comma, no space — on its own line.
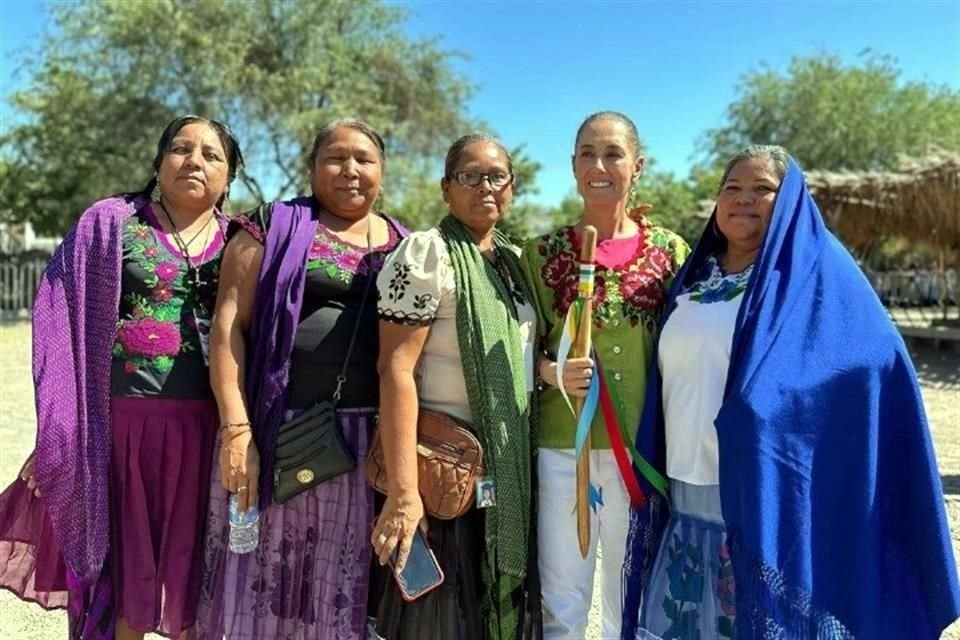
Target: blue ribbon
(587,412)
(596,497)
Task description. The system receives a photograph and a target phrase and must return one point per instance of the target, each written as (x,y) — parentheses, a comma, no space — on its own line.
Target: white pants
(566,579)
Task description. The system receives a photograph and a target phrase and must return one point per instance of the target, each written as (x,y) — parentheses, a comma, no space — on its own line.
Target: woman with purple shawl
(108,516)
(294,279)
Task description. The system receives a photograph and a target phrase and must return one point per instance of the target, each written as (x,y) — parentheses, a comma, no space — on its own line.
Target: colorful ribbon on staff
(600,394)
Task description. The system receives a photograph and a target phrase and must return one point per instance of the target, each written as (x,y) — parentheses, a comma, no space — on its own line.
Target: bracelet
(230,437)
(539,383)
(227,425)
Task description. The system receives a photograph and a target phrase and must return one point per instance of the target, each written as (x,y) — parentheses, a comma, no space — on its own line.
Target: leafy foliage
(675,203)
(118,71)
(832,116)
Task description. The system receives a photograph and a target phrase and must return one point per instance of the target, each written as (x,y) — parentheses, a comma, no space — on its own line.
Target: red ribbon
(637,497)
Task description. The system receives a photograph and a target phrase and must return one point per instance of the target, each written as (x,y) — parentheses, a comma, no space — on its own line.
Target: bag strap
(356,326)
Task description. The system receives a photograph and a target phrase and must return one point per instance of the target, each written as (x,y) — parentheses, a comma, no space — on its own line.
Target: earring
(156,194)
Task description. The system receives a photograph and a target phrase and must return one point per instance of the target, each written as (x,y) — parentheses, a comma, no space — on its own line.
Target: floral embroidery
(425,304)
(282,586)
(163,292)
(685,576)
(634,289)
(421,301)
(156,328)
(399,282)
(726,594)
(167,271)
(292,597)
(150,338)
(713,284)
(682,602)
(340,260)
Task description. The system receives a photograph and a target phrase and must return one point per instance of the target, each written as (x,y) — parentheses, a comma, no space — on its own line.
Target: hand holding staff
(582,346)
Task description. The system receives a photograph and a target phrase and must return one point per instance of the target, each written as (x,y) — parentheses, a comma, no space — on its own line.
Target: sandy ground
(939,373)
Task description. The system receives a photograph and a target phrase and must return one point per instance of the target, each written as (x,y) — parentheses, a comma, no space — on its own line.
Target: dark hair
(777,155)
(455,152)
(351,123)
(230,146)
(633,138)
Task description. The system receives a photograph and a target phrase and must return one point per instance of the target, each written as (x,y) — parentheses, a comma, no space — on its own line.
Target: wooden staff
(581,348)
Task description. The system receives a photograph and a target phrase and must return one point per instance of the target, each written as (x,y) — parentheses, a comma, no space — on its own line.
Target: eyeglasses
(497,179)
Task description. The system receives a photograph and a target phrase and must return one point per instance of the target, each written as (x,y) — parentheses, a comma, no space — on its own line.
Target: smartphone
(421,574)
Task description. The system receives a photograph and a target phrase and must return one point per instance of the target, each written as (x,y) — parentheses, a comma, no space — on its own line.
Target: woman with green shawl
(457,336)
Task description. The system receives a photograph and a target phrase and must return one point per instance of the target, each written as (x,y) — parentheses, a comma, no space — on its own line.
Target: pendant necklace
(184,246)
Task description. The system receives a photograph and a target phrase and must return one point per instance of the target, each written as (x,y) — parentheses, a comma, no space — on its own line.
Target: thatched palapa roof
(919,202)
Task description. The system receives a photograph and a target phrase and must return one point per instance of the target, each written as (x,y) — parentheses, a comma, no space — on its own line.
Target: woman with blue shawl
(804,496)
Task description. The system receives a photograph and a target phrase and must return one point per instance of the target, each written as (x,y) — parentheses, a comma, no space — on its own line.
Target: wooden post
(943,283)
(581,348)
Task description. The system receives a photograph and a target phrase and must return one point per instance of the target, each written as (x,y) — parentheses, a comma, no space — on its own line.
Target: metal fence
(915,287)
(922,303)
(916,299)
(19,280)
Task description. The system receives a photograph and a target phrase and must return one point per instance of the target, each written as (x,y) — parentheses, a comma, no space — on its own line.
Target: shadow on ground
(937,367)
(951,485)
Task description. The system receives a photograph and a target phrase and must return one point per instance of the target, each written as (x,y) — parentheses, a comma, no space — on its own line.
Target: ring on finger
(381,539)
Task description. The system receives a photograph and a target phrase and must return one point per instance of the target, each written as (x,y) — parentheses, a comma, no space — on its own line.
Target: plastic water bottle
(244,527)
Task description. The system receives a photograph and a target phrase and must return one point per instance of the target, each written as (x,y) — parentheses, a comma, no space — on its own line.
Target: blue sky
(541,67)
(673,67)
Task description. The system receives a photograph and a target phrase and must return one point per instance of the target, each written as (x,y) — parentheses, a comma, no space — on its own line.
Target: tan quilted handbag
(449,461)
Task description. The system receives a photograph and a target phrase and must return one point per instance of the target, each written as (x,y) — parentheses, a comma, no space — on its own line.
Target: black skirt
(452,610)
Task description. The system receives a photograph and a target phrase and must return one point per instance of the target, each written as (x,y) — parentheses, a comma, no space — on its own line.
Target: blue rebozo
(829,486)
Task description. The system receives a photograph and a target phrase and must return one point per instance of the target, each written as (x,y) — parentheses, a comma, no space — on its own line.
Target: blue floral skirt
(691,592)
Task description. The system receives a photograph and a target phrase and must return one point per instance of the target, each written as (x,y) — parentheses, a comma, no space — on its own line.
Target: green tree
(675,203)
(525,217)
(830,115)
(567,212)
(421,204)
(115,72)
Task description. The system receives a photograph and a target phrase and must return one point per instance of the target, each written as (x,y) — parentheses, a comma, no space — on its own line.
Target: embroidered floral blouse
(337,273)
(630,286)
(158,350)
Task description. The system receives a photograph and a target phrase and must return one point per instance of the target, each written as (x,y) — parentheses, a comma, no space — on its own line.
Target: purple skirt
(309,577)
(31,565)
(162,452)
(161,455)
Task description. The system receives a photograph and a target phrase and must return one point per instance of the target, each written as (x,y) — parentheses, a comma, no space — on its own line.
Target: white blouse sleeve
(412,279)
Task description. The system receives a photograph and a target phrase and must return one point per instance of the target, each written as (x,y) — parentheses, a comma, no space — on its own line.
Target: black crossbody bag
(311,448)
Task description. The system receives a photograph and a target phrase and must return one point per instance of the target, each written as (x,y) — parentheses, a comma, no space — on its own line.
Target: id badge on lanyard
(486,493)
